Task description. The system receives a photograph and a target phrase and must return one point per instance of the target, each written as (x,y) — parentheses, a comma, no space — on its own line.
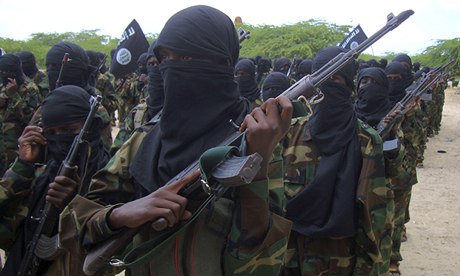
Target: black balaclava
(326,206)
(403,58)
(373,100)
(10,67)
(397,86)
(304,68)
(282,65)
(247,83)
(155,88)
(264,65)
(29,65)
(416,66)
(200,97)
(76,70)
(66,105)
(383,63)
(142,63)
(275,84)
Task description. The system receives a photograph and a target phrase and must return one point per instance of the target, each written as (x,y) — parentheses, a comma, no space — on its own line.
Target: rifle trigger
(117,263)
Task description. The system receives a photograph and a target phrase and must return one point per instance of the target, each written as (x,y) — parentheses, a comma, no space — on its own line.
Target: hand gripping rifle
(44,245)
(408,102)
(231,171)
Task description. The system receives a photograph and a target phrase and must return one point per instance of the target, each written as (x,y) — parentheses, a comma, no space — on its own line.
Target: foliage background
(300,40)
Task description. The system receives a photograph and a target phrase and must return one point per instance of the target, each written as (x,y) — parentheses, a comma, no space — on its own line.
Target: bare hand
(30,144)
(163,203)
(12,86)
(265,127)
(62,190)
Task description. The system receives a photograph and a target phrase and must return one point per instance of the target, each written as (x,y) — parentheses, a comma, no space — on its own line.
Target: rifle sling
(145,251)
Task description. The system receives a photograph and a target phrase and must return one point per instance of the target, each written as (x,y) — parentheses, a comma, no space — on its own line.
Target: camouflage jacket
(14,117)
(235,235)
(368,252)
(41,80)
(137,117)
(106,85)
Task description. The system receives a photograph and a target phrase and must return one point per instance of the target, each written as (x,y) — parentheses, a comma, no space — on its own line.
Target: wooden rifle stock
(42,238)
(409,100)
(307,87)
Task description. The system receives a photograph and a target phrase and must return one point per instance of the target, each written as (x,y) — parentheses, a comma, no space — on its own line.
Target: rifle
(43,245)
(408,102)
(232,171)
(65,59)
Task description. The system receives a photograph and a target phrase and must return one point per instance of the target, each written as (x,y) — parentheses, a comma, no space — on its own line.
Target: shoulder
(369,139)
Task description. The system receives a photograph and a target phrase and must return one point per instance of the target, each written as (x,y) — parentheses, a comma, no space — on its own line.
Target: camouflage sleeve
(110,186)
(376,209)
(14,192)
(258,238)
(393,163)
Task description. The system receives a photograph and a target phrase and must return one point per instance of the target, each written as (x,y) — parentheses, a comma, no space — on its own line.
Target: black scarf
(282,65)
(156,92)
(304,69)
(275,84)
(397,86)
(326,207)
(200,97)
(29,65)
(76,71)
(247,83)
(10,67)
(373,102)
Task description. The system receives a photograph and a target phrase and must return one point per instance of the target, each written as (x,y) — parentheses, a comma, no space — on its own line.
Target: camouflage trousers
(312,257)
(402,199)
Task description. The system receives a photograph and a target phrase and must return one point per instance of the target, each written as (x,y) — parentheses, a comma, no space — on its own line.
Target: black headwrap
(94,62)
(76,70)
(155,89)
(247,83)
(282,65)
(326,207)
(373,101)
(304,68)
(322,57)
(409,78)
(64,105)
(29,66)
(275,84)
(10,67)
(142,63)
(397,86)
(200,97)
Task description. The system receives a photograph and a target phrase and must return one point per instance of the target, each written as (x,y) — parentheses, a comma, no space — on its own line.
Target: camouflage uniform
(129,96)
(218,242)
(137,117)
(41,80)
(106,85)
(14,118)
(367,253)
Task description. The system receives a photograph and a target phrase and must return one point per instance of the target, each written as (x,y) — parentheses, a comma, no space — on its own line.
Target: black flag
(131,45)
(356,37)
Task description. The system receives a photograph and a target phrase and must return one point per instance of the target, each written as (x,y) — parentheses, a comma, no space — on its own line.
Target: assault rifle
(409,101)
(65,59)
(243,34)
(233,170)
(44,245)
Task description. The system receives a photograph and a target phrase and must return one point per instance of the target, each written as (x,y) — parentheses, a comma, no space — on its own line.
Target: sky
(432,20)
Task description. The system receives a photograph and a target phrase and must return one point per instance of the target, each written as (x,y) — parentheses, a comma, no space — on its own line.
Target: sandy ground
(433,246)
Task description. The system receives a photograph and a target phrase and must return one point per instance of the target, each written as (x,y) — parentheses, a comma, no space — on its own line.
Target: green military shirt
(367,253)
(227,238)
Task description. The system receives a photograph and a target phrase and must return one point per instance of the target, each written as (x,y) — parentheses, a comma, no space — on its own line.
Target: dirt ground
(433,245)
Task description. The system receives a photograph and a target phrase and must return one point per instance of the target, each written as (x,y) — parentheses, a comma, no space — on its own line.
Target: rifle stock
(306,87)
(42,243)
(409,100)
